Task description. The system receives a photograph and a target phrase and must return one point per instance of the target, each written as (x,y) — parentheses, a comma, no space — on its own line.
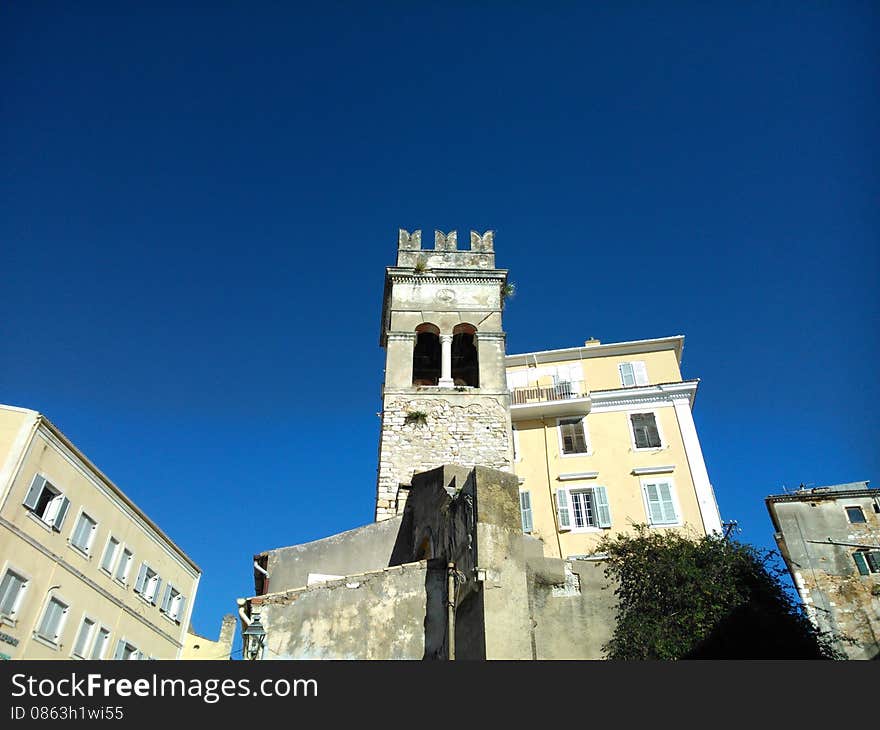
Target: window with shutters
(583,509)
(124,567)
(645,433)
(84,638)
(573,437)
(867,561)
(660,502)
(525,510)
(54,617)
(83,534)
(13,587)
(148,583)
(111,551)
(633,373)
(102,641)
(173,603)
(46,501)
(125,650)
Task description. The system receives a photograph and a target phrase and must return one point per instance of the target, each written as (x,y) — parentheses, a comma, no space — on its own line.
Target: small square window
(573,436)
(855,515)
(645,432)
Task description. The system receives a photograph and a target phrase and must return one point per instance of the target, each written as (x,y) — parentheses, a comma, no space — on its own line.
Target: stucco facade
(83,572)
(604,437)
(829,538)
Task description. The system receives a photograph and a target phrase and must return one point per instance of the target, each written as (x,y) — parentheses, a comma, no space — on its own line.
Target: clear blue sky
(197,204)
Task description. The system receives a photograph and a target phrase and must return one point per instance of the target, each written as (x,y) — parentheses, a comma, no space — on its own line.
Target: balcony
(559,399)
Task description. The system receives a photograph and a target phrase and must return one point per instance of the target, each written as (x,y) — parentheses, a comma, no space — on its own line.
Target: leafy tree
(683,597)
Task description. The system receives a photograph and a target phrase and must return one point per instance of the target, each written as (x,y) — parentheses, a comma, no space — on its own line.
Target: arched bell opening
(426,355)
(465,359)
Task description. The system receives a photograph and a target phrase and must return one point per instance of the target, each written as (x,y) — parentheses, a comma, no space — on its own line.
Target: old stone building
(829,538)
(498,475)
(445,399)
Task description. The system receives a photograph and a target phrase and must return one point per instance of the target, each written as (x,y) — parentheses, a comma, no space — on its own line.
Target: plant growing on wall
(508,291)
(421,265)
(704,598)
(419,418)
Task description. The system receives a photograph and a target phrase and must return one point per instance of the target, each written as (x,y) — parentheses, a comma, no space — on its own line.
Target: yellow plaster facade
(84,573)
(604,439)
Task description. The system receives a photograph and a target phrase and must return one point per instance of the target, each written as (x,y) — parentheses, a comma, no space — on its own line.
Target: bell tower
(445,397)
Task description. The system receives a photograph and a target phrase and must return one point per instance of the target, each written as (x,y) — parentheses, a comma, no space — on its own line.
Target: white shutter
(640,372)
(525,507)
(154,596)
(120,649)
(563,510)
(33,493)
(166,599)
(178,610)
(82,640)
(627,378)
(666,503)
(603,510)
(141,579)
(61,512)
(655,510)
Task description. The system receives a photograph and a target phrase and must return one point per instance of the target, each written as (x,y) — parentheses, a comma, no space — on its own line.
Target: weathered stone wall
(359,550)
(458,429)
(818,541)
(384,614)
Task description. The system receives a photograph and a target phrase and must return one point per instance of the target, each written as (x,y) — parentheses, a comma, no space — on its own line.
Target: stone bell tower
(445,398)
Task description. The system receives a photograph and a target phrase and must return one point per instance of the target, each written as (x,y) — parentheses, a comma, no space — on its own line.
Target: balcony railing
(541,393)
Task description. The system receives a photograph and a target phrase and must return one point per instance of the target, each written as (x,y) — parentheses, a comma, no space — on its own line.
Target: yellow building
(84,573)
(603,438)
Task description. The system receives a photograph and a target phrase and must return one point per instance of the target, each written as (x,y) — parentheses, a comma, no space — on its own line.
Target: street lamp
(253,636)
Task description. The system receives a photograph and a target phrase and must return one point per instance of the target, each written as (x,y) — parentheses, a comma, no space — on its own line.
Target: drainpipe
(450,604)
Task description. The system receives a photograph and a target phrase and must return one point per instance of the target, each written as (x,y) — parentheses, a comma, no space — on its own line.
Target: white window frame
(579,454)
(864,520)
(632,431)
(11,619)
(123,580)
(117,552)
(673,495)
(90,541)
(55,512)
(639,373)
(55,641)
(573,527)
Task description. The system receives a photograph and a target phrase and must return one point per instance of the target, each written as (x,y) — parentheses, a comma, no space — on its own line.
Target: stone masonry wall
(458,429)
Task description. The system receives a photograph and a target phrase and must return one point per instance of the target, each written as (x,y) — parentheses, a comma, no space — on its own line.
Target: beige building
(84,573)
(604,437)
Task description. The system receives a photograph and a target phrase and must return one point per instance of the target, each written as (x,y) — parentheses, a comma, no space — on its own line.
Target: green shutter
(562,510)
(861,563)
(603,510)
(525,508)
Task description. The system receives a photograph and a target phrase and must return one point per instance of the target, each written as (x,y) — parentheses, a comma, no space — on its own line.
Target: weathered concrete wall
(378,615)
(837,597)
(575,618)
(359,550)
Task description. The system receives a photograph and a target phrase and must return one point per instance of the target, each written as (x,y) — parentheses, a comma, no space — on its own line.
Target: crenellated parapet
(445,254)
